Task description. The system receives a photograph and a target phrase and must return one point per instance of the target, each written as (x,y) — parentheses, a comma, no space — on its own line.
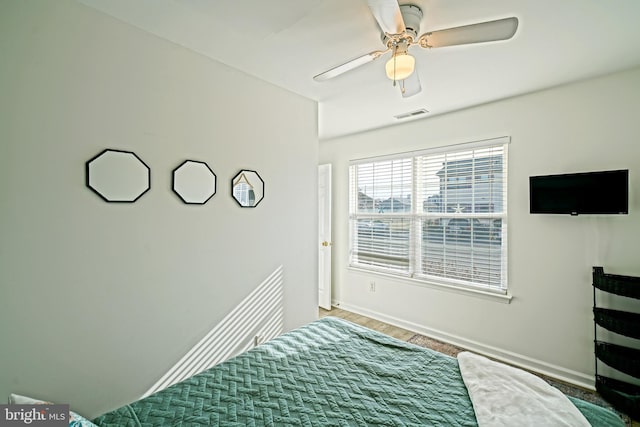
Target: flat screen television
(605,192)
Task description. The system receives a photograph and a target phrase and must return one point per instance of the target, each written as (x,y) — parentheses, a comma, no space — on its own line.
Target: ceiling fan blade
(350,65)
(501,29)
(411,85)
(387,13)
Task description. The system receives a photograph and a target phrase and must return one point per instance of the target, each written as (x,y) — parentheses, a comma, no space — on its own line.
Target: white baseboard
(566,375)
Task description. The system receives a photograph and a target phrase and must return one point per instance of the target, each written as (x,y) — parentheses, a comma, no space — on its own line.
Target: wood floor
(376,325)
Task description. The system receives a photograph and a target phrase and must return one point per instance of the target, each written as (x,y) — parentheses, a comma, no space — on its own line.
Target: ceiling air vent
(415,113)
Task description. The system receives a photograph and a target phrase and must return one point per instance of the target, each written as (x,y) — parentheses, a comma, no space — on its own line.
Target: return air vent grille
(410,114)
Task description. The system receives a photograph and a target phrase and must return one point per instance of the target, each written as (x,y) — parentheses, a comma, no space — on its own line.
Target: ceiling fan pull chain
(395,52)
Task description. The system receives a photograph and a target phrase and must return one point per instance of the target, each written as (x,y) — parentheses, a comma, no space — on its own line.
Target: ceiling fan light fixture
(400,66)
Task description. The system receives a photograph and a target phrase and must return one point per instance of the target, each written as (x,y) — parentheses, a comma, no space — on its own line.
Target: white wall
(592,125)
(98,300)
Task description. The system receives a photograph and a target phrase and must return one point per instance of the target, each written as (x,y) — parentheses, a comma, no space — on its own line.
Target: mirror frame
(108,175)
(179,185)
(238,176)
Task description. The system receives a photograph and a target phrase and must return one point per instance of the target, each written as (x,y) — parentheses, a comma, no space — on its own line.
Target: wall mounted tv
(605,192)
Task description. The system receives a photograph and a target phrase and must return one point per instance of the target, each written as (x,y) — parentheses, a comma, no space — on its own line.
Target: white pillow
(16,399)
(75,420)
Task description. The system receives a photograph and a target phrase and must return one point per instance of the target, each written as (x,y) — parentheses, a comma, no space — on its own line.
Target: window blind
(438,215)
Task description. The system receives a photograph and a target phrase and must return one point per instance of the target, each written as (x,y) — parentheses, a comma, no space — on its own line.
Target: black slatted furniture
(621,394)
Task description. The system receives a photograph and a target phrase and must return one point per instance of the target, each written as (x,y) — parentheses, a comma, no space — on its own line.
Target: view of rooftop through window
(446,181)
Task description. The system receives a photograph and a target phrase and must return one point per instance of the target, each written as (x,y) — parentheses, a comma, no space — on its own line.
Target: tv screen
(605,192)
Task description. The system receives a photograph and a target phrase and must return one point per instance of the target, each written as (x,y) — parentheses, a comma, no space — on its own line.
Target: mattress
(327,373)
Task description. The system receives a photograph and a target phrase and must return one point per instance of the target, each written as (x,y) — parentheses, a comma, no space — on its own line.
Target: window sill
(478,293)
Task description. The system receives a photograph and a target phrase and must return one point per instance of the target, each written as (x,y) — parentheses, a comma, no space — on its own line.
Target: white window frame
(417,215)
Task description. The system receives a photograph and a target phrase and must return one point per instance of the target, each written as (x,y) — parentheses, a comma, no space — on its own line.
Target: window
(436,215)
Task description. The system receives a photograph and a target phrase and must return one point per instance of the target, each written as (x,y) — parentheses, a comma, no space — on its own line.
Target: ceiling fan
(400,25)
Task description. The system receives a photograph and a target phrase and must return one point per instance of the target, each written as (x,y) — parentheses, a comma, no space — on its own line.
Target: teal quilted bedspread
(327,373)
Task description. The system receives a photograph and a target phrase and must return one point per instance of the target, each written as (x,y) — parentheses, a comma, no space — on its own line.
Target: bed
(327,373)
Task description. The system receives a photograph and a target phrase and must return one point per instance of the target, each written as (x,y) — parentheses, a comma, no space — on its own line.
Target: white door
(324,236)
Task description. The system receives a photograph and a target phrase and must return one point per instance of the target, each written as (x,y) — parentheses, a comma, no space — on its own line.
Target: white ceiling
(287,42)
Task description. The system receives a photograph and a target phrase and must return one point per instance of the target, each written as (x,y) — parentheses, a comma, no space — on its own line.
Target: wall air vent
(410,114)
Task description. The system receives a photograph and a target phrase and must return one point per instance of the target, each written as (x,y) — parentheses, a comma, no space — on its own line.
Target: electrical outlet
(372,286)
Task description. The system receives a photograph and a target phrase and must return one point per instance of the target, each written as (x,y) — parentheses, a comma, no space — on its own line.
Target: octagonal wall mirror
(247,188)
(194,182)
(118,176)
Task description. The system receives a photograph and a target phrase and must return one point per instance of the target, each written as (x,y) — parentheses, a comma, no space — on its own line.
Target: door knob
(325,243)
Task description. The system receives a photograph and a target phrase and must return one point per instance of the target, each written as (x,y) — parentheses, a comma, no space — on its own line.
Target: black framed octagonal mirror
(247,188)
(118,176)
(194,182)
